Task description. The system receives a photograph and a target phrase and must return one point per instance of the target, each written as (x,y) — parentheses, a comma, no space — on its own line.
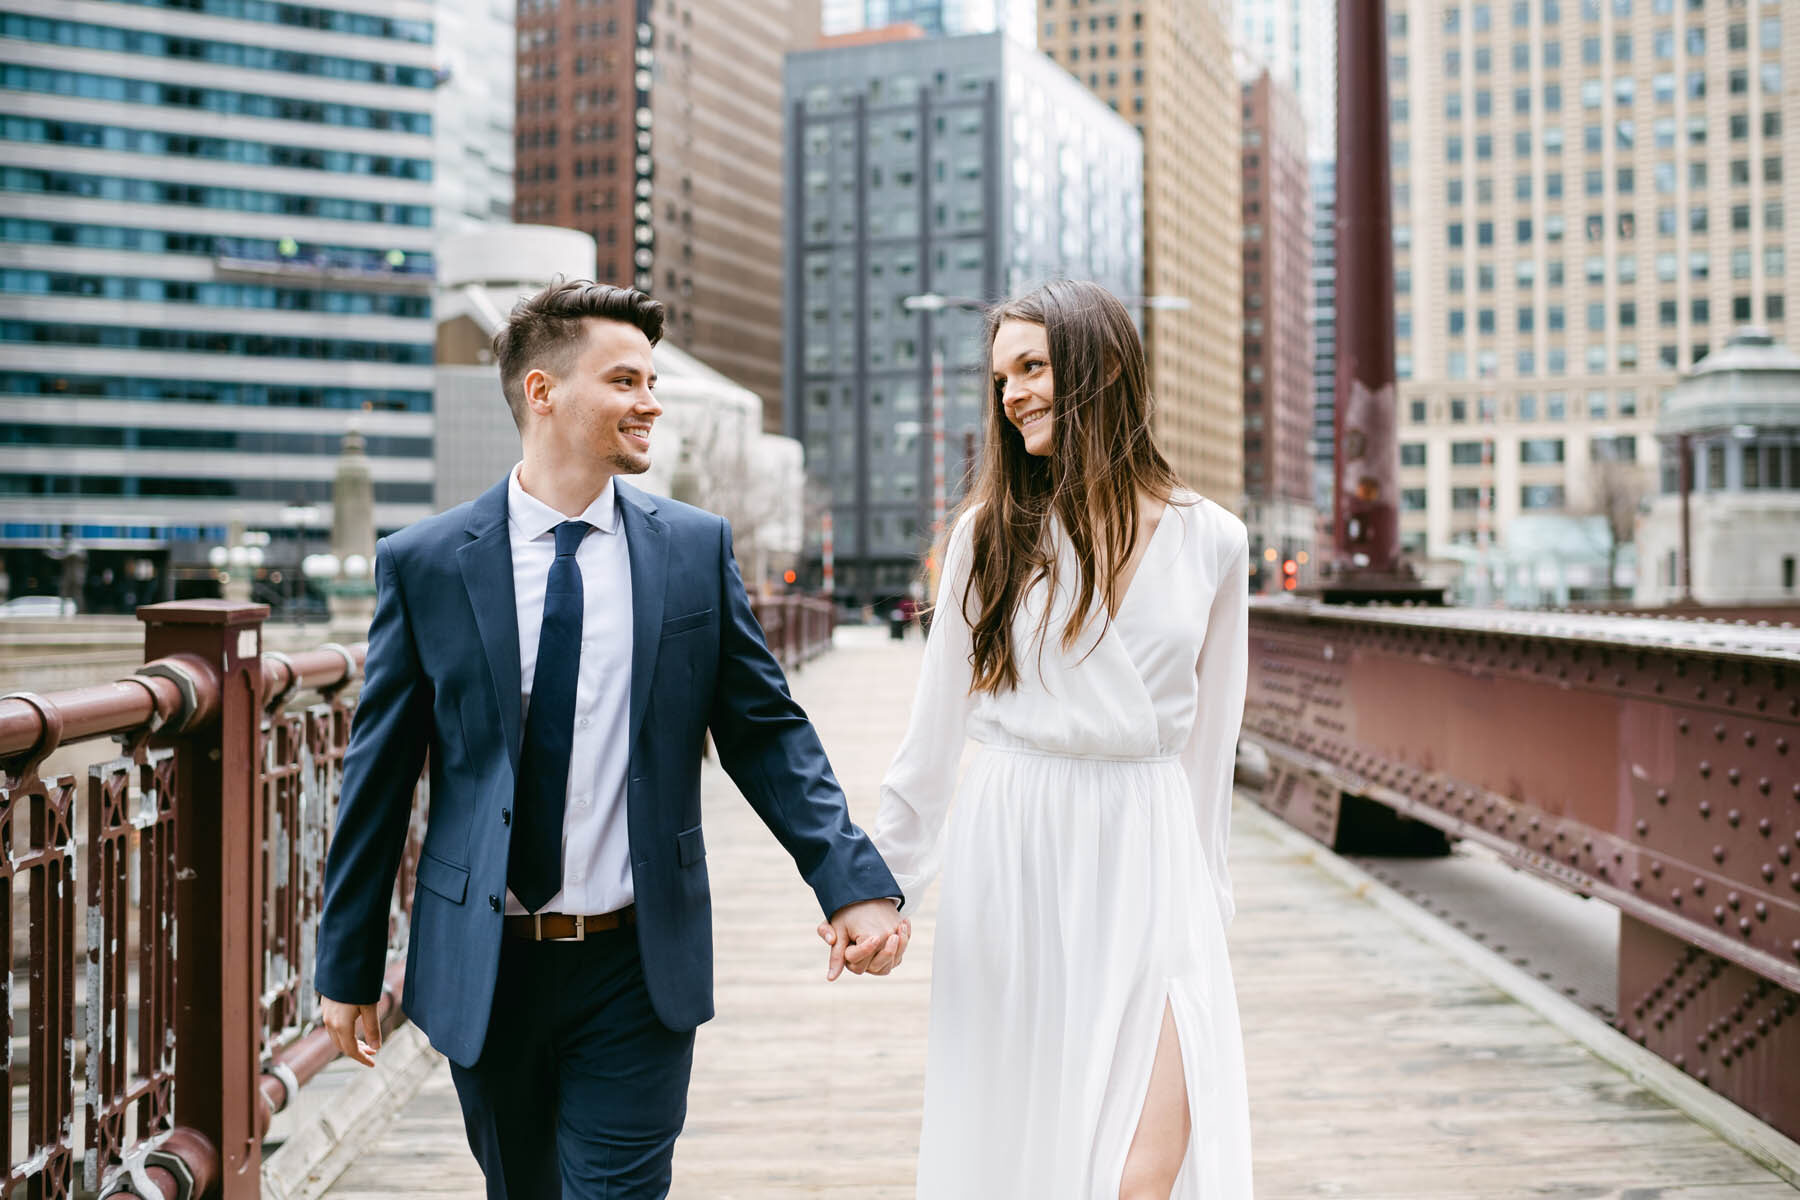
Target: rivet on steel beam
(1643,826)
(1637,881)
(1733,775)
(1675,899)
(1662,795)
(1734,817)
(1719,733)
(1781,743)
(1718,914)
(1749,737)
(1783,853)
(1656,870)
(1681,726)
(1731,695)
(1768,872)
(1699,887)
(1734,900)
(1765,827)
(1761,910)
(1762,785)
(1705,806)
(1702,1074)
(1718,853)
(1744,926)
(1700,692)
(1705,768)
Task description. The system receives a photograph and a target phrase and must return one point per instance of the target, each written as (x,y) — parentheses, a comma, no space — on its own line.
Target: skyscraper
(1296,42)
(959,168)
(1167,68)
(218,257)
(1015,18)
(1588,197)
(1278,351)
(657,129)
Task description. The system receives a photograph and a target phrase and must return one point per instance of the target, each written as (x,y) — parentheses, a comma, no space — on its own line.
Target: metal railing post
(219,888)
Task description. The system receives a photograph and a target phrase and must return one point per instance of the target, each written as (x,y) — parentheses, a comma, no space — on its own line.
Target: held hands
(341,1020)
(867,937)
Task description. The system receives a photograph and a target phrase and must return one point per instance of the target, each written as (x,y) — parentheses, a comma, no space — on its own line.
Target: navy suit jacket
(442,682)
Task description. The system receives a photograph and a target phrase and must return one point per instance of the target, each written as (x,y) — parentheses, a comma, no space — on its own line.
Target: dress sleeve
(1211,753)
(916,792)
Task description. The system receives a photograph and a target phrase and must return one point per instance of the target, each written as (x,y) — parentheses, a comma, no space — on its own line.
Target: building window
(1541,496)
(1412,454)
(1538,451)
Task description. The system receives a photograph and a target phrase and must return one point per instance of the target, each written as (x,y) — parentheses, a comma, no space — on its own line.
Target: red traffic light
(789,577)
(1290,583)
(1290,568)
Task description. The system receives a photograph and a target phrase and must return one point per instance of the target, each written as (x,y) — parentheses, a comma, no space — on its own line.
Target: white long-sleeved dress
(1084,876)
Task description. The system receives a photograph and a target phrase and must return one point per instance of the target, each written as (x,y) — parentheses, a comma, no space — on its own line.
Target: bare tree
(1616,490)
(720,472)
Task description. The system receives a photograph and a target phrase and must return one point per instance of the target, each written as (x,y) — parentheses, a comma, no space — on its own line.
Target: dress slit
(1140,1092)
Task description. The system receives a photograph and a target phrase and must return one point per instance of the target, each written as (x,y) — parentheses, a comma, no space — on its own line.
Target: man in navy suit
(559,648)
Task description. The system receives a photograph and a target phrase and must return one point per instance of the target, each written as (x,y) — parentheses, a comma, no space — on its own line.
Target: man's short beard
(629,464)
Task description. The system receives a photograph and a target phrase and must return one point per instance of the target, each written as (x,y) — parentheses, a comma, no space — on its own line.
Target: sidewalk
(1379,1067)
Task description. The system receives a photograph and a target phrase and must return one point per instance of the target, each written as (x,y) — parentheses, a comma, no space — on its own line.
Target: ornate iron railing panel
(37,824)
(130,866)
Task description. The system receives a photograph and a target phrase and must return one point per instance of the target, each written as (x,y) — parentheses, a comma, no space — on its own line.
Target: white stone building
(1736,421)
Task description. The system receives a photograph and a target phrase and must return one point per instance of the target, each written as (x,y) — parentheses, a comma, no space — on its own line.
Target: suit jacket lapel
(646,540)
(487,571)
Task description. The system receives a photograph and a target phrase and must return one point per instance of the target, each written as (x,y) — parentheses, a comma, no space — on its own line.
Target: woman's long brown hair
(1102,458)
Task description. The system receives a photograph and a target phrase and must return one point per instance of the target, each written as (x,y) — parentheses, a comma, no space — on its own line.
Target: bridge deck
(1378,1066)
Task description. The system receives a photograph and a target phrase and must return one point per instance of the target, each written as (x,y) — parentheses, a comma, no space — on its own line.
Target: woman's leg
(1161,1141)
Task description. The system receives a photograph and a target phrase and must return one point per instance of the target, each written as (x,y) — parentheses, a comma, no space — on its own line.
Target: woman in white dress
(1090,636)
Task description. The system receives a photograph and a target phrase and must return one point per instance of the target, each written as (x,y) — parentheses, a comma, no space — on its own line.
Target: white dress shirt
(596,846)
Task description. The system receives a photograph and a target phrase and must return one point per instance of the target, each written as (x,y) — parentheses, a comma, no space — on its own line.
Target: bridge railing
(163,910)
(797,628)
(169,903)
(1652,763)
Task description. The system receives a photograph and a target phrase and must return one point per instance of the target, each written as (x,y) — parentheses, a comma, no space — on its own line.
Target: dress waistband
(1036,752)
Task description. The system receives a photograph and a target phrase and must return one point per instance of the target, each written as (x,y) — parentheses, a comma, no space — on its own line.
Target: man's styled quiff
(545,330)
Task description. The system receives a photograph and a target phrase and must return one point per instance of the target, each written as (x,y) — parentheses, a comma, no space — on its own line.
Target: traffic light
(1289,569)
(789,577)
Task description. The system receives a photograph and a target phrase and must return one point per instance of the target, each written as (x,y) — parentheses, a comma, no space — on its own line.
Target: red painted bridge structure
(1652,763)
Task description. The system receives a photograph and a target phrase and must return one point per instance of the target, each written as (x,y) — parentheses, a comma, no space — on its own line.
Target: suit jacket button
(506,816)
(494,903)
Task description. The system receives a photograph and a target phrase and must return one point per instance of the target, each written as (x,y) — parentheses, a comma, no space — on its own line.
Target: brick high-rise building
(1166,66)
(1278,384)
(656,127)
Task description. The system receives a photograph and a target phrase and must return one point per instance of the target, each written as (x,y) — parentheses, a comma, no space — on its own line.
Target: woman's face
(1023,381)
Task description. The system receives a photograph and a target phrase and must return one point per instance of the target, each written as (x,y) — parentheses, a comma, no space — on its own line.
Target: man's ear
(536,385)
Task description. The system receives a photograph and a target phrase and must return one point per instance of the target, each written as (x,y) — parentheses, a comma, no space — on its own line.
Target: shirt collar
(531,518)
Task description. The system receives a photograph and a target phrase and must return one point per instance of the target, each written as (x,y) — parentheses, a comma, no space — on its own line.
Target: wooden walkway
(1378,1066)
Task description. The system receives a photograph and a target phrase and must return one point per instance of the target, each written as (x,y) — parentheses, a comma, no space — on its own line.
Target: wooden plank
(1379,1066)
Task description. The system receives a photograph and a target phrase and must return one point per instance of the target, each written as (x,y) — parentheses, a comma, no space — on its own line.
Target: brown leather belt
(562,927)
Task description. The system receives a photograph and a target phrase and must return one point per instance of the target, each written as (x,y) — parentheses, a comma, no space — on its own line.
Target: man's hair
(545,330)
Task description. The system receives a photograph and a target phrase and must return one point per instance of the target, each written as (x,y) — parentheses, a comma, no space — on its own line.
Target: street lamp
(299,517)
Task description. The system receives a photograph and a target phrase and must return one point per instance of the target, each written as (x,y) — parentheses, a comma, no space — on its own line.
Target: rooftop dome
(1750,381)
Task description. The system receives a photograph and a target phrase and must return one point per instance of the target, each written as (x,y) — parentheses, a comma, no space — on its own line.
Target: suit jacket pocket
(690,847)
(446,879)
(687,621)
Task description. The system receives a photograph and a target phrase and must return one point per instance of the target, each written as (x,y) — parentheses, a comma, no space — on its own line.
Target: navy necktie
(534,864)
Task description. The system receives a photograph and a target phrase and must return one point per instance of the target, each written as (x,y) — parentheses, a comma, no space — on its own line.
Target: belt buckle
(580,927)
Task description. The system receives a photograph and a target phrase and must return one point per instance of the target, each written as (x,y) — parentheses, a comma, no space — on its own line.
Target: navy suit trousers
(580,1090)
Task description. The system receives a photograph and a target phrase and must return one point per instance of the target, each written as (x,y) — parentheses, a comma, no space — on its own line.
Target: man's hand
(869,936)
(341,1019)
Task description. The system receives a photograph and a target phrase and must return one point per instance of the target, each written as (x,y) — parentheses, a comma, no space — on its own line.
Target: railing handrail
(159,693)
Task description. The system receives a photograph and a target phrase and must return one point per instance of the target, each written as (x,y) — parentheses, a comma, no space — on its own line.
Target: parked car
(38,606)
